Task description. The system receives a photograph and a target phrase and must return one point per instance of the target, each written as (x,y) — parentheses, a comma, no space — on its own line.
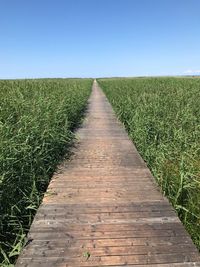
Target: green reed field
(36,122)
(162,117)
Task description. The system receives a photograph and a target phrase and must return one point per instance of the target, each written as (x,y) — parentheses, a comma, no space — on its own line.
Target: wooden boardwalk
(103,208)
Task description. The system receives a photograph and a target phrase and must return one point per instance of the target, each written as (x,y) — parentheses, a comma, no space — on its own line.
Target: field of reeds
(162,117)
(37,119)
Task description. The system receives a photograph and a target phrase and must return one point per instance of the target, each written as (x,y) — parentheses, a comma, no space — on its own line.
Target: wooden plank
(112,260)
(75,252)
(64,242)
(92,215)
(46,224)
(88,208)
(104,208)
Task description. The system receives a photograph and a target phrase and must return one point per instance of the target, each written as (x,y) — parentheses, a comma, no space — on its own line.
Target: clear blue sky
(95,38)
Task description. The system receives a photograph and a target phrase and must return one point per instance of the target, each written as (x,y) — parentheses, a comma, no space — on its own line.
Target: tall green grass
(37,118)
(162,117)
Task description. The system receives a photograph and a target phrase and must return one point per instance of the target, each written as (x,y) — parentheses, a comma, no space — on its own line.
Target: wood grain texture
(103,207)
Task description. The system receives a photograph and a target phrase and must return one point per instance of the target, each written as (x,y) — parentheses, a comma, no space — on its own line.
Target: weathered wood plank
(63,241)
(109,251)
(112,260)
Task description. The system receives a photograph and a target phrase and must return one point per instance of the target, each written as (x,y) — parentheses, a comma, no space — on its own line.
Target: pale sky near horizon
(99,38)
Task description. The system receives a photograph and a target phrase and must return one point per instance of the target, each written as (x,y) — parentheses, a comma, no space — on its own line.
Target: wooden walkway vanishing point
(103,208)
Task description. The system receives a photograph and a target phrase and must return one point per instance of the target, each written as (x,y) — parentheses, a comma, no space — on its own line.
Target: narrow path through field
(103,208)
